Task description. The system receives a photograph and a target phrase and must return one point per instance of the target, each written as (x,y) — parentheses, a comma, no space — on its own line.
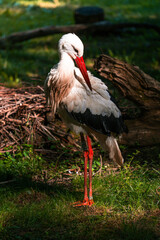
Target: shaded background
(127,201)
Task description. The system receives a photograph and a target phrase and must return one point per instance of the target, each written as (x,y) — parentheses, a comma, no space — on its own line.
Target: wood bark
(140,88)
(103,28)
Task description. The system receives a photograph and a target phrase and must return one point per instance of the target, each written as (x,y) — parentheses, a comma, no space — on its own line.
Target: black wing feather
(99,123)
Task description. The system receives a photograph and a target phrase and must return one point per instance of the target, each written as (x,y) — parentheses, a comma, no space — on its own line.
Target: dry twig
(22,118)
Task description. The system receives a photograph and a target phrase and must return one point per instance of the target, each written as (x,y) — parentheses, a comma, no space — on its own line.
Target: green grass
(24,162)
(122,210)
(126,201)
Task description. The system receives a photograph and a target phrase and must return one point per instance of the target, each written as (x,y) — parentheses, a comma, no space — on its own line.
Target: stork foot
(83,203)
(91,202)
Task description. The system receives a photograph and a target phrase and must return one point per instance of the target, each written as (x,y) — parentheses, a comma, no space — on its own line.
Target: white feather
(97,101)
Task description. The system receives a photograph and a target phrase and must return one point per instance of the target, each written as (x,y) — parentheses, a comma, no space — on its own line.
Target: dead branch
(103,27)
(9,181)
(22,119)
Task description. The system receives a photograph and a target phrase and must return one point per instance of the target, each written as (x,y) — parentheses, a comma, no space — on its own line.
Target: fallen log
(140,88)
(103,27)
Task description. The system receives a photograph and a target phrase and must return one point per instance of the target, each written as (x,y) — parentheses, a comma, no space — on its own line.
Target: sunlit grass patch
(41,3)
(130,190)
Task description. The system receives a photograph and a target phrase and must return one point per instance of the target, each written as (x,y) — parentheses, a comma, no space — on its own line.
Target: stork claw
(83,203)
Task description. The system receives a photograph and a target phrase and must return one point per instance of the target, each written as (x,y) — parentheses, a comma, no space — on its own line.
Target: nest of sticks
(23,119)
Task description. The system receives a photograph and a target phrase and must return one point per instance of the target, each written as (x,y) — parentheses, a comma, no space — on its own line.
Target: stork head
(73,46)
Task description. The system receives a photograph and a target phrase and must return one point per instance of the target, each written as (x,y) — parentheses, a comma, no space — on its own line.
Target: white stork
(84,104)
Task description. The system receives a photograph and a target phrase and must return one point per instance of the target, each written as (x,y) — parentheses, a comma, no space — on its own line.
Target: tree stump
(140,88)
(88,15)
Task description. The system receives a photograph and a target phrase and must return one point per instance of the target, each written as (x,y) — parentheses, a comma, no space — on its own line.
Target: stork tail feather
(114,151)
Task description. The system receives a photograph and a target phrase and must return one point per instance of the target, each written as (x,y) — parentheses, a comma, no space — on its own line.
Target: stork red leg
(85,176)
(90,170)
(88,153)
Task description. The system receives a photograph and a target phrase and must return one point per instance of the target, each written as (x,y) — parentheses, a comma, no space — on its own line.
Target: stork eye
(75,50)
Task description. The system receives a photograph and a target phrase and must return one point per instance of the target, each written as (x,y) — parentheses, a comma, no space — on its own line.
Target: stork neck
(66,65)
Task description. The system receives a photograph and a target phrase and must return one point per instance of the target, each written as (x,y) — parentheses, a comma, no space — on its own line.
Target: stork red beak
(81,64)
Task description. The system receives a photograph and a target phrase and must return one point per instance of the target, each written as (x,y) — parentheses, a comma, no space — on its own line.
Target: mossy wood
(140,88)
